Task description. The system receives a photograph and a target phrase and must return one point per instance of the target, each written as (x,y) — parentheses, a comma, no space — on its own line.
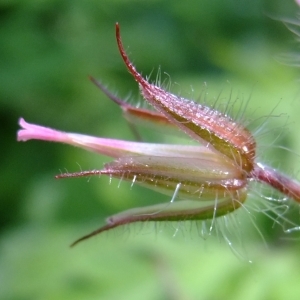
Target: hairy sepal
(136,116)
(206,125)
(203,179)
(174,211)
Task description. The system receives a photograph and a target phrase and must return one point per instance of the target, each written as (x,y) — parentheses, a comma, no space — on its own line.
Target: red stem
(277,180)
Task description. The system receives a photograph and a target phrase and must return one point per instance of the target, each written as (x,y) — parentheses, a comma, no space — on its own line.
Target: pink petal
(36,132)
(112,147)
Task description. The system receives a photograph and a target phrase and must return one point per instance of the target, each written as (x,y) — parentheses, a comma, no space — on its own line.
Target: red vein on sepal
(131,111)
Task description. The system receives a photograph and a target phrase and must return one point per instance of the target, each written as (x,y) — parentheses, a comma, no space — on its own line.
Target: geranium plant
(204,182)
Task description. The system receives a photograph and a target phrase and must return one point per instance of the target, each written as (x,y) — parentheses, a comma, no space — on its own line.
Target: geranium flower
(204,182)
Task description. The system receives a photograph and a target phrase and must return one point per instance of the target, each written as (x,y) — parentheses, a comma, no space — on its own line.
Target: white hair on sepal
(234,227)
(267,204)
(229,229)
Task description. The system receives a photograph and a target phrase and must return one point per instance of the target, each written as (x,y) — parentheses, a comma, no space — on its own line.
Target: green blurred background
(48,48)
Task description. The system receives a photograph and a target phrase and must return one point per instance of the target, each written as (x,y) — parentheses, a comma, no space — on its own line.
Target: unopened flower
(204,182)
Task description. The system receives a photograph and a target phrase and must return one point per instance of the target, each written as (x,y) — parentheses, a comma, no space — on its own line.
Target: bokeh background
(48,49)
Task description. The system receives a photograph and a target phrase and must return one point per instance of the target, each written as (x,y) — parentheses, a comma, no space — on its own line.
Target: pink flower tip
(36,132)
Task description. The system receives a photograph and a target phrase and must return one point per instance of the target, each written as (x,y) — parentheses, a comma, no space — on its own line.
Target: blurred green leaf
(48,49)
